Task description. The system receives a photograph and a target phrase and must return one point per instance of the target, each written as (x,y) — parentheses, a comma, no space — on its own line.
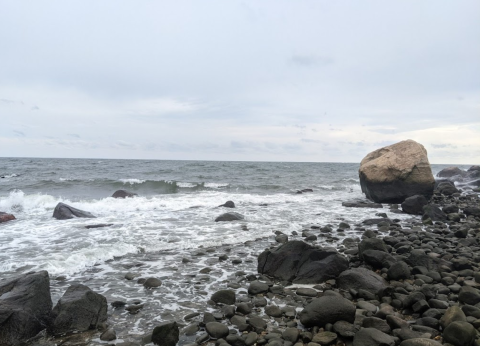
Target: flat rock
(327,309)
(361,278)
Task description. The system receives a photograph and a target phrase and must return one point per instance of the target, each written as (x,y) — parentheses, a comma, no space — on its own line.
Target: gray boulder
(420,342)
(434,213)
(372,337)
(228,204)
(230,217)
(123,194)
(327,309)
(79,309)
(451,172)
(414,205)
(361,278)
(25,306)
(459,334)
(226,297)
(166,334)
(63,212)
(216,330)
(301,263)
(396,172)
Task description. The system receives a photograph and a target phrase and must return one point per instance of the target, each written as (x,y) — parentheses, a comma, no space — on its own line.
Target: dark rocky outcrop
(123,194)
(63,212)
(4,217)
(226,297)
(230,217)
(361,205)
(25,306)
(451,172)
(301,263)
(228,204)
(166,334)
(79,309)
(434,213)
(327,309)
(394,173)
(414,205)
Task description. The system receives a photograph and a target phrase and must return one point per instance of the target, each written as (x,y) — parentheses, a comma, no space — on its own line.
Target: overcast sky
(239,80)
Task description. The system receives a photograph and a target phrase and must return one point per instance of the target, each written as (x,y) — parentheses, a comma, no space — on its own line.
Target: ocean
(168,231)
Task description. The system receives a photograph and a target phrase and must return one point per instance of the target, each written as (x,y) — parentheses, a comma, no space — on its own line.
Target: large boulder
(79,309)
(230,217)
(414,205)
(394,173)
(64,211)
(327,309)
(25,306)
(166,334)
(301,263)
(451,172)
(361,278)
(4,217)
(123,194)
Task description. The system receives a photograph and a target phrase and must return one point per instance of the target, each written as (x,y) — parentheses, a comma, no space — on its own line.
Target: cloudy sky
(270,80)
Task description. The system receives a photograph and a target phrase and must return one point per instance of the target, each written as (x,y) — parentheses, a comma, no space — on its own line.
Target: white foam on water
(186,185)
(132,181)
(215,185)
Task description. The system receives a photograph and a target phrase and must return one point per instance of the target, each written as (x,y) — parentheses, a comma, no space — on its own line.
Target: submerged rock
(63,212)
(394,173)
(25,306)
(228,204)
(79,309)
(4,217)
(230,217)
(123,194)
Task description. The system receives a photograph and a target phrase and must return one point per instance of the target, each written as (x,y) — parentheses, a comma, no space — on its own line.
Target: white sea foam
(186,185)
(132,181)
(215,185)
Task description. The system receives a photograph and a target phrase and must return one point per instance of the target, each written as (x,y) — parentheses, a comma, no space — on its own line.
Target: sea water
(168,231)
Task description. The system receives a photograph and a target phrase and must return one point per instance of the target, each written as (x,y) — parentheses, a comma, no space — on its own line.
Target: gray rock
(469,295)
(372,337)
(166,334)
(108,335)
(152,283)
(79,309)
(399,271)
(63,212)
(327,309)
(257,287)
(371,244)
(291,334)
(414,205)
(123,194)
(434,213)
(324,338)
(344,329)
(273,311)
(228,204)
(226,297)
(257,323)
(361,278)
(230,217)
(453,314)
(420,342)
(377,323)
(459,334)
(25,305)
(216,330)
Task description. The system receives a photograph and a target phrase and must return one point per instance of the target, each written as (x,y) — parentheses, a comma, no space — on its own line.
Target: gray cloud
(310,60)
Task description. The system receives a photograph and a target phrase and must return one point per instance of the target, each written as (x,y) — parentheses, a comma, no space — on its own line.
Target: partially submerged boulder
(79,309)
(64,211)
(394,173)
(25,306)
(4,217)
(230,217)
(228,204)
(414,205)
(301,263)
(123,194)
(451,172)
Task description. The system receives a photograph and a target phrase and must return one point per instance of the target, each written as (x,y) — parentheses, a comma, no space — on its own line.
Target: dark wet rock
(230,217)
(108,335)
(396,172)
(327,309)
(226,297)
(459,334)
(123,194)
(399,271)
(4,217)
(166,334)
(361,205)
(372,337)
(228,204)
(216,330)
(446,188)
(25,306)
(99,225)
(281,238)
(291,334)
(471,311)
(377,323)
(325,338)
(244,308)
(371,244)
(451,172)
(378,258)
(306,292)
(344,329)
(469,295)
(273,311)
(453,314)
(434,213)
(118,304)
(375,221)
(79,309)
(361,278)
(191,329)
(257,323)
(414,205)
(134,309)
(257,287)
(300,262)
(475,211)
(418,257)
(152,283)
(63,212)
(450,208)
(420,342)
